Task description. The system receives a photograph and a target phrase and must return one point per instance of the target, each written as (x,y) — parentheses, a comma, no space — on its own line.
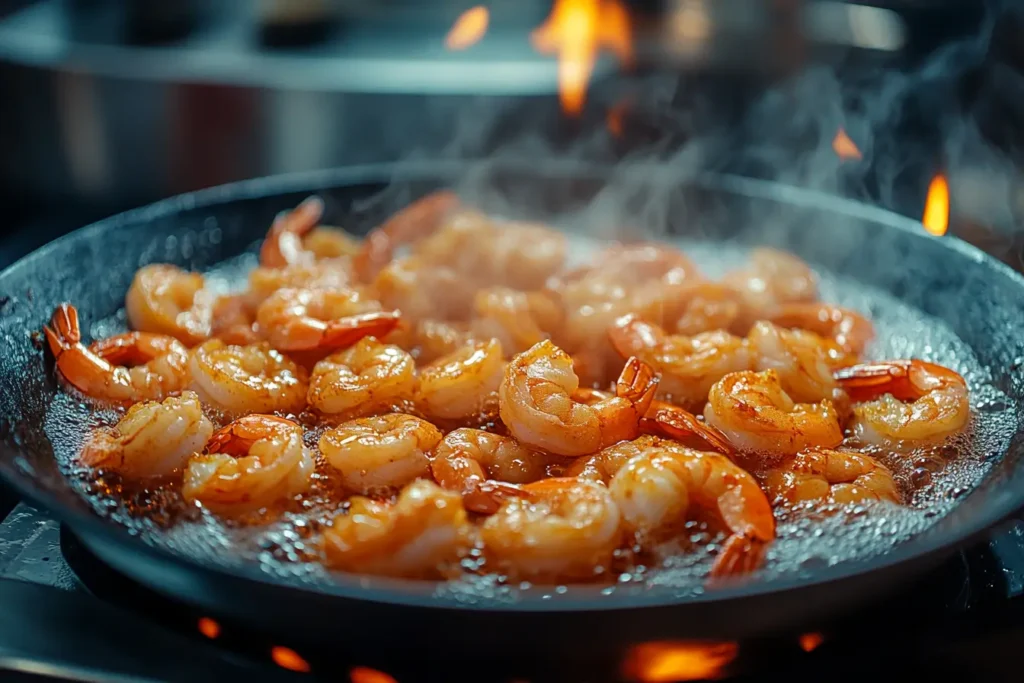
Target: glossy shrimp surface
(136,366)
(536,404)
(366,378)
(462,384)
(166,300)
(756,414)
(908,401)
(321,319)
(244,379)
(829,476)
(153,439)
(255,462)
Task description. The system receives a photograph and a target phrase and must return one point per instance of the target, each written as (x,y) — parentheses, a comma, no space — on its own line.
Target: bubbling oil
(283,542)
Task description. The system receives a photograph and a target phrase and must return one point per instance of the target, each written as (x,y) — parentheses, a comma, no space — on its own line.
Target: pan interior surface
(934,299)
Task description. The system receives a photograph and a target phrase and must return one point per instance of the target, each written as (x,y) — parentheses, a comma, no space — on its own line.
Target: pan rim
(410,593)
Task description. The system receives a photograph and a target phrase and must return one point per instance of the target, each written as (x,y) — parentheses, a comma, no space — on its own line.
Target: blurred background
(109,104)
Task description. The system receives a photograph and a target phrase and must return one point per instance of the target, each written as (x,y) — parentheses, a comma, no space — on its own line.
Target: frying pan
(93,268)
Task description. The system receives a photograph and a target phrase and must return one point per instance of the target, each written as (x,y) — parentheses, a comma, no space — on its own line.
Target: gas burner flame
(287,658)
(936,206)
(469,29)
(844,147)
(208,627)
(663,661)
(577,30)
(364,674)
(809,642)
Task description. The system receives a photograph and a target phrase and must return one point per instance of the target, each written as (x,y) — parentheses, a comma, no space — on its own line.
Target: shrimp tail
(283,245)
(629,334)
(486,497)
(740,555)
(345,332)
(870,380)
(638,384)
(64,331)
(676,423)
(238,437)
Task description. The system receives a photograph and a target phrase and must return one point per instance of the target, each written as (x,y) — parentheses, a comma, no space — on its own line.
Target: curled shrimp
(380,453)
(234,320)
(428,340)
(562,528)
(327,274)
(423,291)
(295,239)
(656,482)
(246,379)
(463,384)
(423,534)
(756,414)
(252,463)
(153,439)
(803,360)
(419,219)
(839,477)
(484,467)
(366,378)
(536,403)
(164,299)
(774,278)
(691,308)
(849,329)
(905,401)
(136,366)
(306,319)
(688,365)
(517,319)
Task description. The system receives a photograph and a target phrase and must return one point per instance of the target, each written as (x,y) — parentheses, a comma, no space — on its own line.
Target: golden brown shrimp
(536,404)
(517,319)
(655,482)
(366,378)
(234,320)
(327,274)
(252,463)
(422,291)
(688,365)
(849,329)
(673,422)
(428,340)
(690,308)
(381,453)
(840,477)
(247,379)
(307,319)
(128,367)
(417,220)
(773,278)
(565,528)
(463,384)
(756,414)
(153,439)
(164,299)
(295,238)
(485,467)
(423,534)
(803,360)
(905,401)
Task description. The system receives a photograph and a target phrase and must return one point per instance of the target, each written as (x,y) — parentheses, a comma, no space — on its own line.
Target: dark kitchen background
(106,105)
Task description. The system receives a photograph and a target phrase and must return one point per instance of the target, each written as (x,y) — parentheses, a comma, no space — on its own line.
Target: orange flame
(810,641)
(844,147)
(287,658)
(577,30)
(468,29)
(364,674)
(208,627)
(936,207)
(615,117)
(678,661)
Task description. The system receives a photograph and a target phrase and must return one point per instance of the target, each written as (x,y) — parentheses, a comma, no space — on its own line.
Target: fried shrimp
(905,401)
(849,329)
(517,319)
(688,365)
(803,360)
(421,218)
(536,403)
(774,278)
(327,274)
(254,462)
(422,291)
(128,367)
(565,528)
(656,488)
(153,439)
(463,384)
(381,453)
(423,534)
(368,377)
(164,299)
(833,477)
(306,319)
(756,414)
(481,466)
(295,238)
(246,379)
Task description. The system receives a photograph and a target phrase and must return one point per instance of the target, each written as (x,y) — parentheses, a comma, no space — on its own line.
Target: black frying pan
(94,266)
